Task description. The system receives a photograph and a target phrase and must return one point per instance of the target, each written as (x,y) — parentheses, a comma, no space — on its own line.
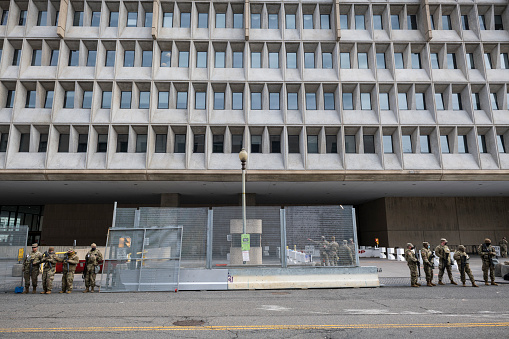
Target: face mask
(93,248)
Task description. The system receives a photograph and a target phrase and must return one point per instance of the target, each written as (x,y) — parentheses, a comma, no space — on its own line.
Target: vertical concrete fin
(427,31)
(155,18)
(336,20)
(62,18)
(247,17)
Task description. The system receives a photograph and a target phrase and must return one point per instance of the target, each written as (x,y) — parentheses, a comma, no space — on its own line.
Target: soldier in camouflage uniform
(31,268)
(412,264)
(323,246)
(460,256)
(503,247)
(93,259)
(487,253)
(68,269)
(351,246)
(49,262)
(442,251)
(426,255)
(345,254)
(333,252)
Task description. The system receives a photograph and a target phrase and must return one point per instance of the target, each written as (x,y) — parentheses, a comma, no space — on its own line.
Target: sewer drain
(189,322)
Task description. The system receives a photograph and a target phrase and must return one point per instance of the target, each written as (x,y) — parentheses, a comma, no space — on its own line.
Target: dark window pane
(369,143)
(237,141)
(199,143)
(122,143)
(22,18)
(293,144)
(331,144)
(30,101)
(74,58)
(24,143)
(10,99)
(141,143)
(180,143)
(43,143)
(217,143)
(464,22)
(82,143)
(350,146)
(161,141)
(412,21)
(102,143)
(275,144)
(63,143)
(48,100)
(54,57)
(78,18)
(312,143)
(256,144)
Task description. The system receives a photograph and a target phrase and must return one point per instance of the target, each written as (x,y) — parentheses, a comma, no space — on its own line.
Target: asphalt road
(396,312)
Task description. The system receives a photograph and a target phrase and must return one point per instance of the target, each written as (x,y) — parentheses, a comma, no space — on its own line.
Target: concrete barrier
(400,254)
(390,254)
(382,254)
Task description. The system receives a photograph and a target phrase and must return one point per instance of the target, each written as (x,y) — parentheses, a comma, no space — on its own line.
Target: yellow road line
(249,328)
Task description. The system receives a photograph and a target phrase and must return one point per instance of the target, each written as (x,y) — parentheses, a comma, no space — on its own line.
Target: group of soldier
(334,254)
(442,251)
(49,259)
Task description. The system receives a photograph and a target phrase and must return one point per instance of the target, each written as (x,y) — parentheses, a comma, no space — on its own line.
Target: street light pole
(243,159)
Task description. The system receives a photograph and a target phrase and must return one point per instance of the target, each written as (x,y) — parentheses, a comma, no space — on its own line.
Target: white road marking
(274,308)
(387,312)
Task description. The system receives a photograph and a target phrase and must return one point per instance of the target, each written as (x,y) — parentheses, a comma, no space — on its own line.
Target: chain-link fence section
(12,240)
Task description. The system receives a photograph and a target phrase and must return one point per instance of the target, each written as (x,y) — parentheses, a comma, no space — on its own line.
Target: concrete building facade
(398,107)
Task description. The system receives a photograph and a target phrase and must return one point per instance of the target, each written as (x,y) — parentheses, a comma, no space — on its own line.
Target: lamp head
(243,155)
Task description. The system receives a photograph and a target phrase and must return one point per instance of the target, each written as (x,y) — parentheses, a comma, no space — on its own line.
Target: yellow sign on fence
(21,253)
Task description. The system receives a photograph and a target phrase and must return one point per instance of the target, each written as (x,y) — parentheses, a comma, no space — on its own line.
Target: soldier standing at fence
(462,259)
(345,254)
(333,252)
(444,254)
(351,246)
(503,247)
(69,267)
(412,264)
(49,262)
(323,246)
(427,259)
(92,260)
(488,253)
(31,268)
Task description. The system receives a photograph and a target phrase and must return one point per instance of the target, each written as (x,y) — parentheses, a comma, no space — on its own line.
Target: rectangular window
(406,140)
(451,60)
(203,20)
(311,101)
(125,99)
(308,21)
(434,61)
(199,143)
(220,60)
(132,19)
(69,99)
(146,59)
(256,59)
(10,99)
(327,60)
(238,20)
(122,143)
(494,101)
(113,22)
(482,23)
(487,59)
(395,21)
(238,59)
(183,59)
(432,21)
(290,21)
(275,144)
(54,57)
(324,21)
(161,142)
(201,59)
(91,58)
(256,20)
(200,100)
(387,140)
(331,144)
(369,144)
(439,101)
(293,144)
(456,102)
(462,144)
(504,60)
(481,139)
(110,58)
(328,101)
(343,21)
(425,144)
(128,58)
(377,22)
(180,143)
(500,143)
(82,143)
(87,100)
(106,100)
(42,18)
(217,143)
(237,141)
(292,101)
(350,146)
(43,143)
(362,60)
(144,100)
(464,22)
(475,101)
(220,20)
(166,59)
(78,18)
(402,101)
(237,100)
(181,100)
(185,20)
(167,19)
(273,21)
(63,143)
(291,60)
(5,16)
(412,21)
(36,57)
(416,61)
(359,22)
(102,143)
(384,101)
(344,60)
(48,99)
(30,101)
(273,60)
(347,101)
(256,100)
(74,58)
(444,144)
(366,101)
(309,60)
(398,60)
(499,25)
(470,61)
(420,101)
(313,144)
(446,22)
(141,143)
(96,19)
(256,144)
(274,100)
(380,60)
(218,100)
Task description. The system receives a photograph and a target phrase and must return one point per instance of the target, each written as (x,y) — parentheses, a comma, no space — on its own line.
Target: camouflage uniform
(503,247)
(33,259)
(345,254)
(351,246)
(323,246)
(460,255)
(68,274)
(443,253)
(49,260)
(333,252)
(412,264)
(487,252)
(93,258)
(428,263)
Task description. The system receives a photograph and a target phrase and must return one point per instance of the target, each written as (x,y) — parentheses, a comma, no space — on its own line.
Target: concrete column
(62,18)
(250,199)
(336,20)
(155,18)
(170,200)
(427,21)
(247,18)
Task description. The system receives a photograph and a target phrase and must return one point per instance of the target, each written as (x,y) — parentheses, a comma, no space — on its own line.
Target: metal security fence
(12,240)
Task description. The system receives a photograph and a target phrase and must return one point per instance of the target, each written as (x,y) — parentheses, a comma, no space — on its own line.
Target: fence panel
(12,239)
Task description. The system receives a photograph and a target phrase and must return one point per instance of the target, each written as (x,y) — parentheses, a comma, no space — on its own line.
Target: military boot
(441,283)
(429,284)
(464,285)
(68,292)
(34,290)
(48,292)
(92,289)
(415,285)
(433,283)
(474,285)
(486,283)
(85,291)
(25,291)
(43,292)
(61,292)
(454,282)
(418,284)
(494,283)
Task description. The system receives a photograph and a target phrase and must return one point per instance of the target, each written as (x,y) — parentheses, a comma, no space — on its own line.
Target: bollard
(390,254)
(382,253)
(400,254)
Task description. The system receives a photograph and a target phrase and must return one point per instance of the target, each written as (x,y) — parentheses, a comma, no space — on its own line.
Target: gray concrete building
(400,108)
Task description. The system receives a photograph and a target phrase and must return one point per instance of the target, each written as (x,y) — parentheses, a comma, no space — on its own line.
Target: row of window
(267,98)
(354,143)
